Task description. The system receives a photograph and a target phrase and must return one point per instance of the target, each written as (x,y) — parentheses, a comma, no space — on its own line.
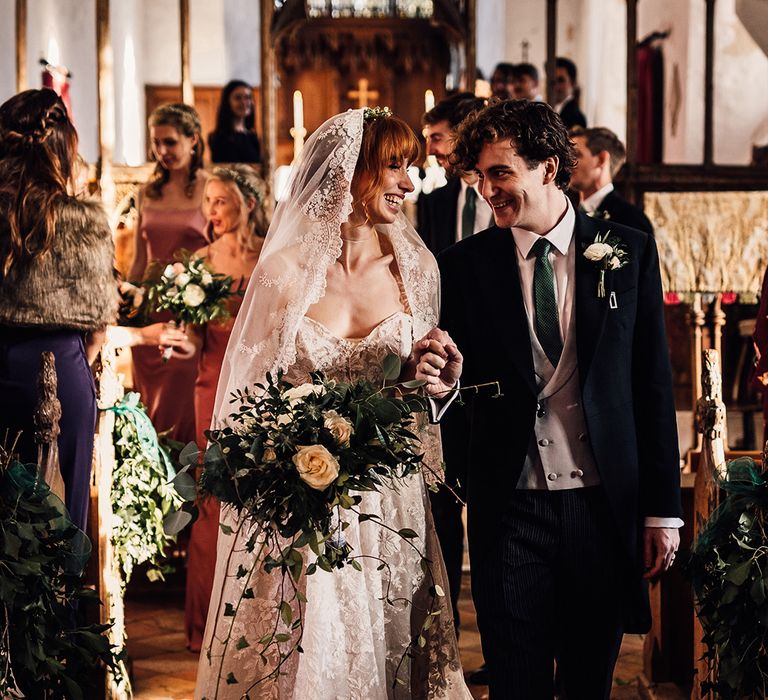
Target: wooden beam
(105,88)
(631,90)
(709,65)
(268,91)
(551,48)
(470,43)
(21,45)
(187,92)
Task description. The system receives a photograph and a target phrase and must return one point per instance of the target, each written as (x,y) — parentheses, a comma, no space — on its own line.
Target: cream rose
(193,295)
(316,466)
(269,455)
(206,278)
(178,268)
(183,279)
(169,272)
(615,263)
(297,393)
(340,427)
(598,251)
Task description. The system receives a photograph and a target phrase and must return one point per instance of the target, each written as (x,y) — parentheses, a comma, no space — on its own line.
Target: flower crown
(243,184)
(373,113)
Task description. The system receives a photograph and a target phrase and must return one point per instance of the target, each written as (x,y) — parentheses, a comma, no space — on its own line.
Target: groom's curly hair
(536,130)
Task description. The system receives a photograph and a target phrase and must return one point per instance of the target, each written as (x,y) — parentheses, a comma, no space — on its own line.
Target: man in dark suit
(600,155)
(446,215)
(573,488)
(565,102)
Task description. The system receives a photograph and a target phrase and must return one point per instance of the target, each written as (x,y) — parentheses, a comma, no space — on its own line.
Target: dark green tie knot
(541,248)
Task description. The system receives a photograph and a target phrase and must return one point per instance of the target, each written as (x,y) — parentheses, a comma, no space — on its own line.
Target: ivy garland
(44,652)
(142,494)
(728,568)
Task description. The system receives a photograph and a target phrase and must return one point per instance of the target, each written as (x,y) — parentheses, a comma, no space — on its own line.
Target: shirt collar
(465,186)
(560,236)
(593,202)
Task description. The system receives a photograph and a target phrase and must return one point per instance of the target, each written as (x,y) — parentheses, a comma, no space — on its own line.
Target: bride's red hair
(386,140)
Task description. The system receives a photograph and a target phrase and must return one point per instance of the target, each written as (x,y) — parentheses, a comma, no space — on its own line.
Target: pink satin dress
(167,388)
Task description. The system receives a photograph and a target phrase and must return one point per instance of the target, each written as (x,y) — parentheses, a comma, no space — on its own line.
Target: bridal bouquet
(293,461)
(192,292)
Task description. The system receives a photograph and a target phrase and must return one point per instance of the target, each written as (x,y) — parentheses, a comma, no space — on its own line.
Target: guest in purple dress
(170,219)
(57,289)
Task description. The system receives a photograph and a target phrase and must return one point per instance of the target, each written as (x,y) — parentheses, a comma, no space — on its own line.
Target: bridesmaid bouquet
(192,292)
(293,461)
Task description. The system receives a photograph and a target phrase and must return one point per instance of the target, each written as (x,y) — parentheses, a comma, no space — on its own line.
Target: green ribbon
(130,407)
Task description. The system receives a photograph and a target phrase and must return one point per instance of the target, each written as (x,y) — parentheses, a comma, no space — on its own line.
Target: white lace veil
(303,241)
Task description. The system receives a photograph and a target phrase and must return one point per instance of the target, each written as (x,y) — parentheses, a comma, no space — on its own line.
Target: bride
(343,281)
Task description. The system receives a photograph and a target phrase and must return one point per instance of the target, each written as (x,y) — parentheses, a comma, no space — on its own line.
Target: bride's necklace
(357,240)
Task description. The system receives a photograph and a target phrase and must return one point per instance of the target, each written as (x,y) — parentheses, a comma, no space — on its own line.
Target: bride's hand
(438,362)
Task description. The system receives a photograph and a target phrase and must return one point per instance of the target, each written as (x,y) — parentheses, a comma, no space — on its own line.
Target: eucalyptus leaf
(391,366)
(189,454)
(175,522)
(185,486)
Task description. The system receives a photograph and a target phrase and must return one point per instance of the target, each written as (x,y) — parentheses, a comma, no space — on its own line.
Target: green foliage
(142,494)
(191,291)
(362,438)
(43,654)
(728,568)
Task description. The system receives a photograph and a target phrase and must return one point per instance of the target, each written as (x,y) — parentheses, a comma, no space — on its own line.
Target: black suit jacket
(437,216)
(624,369)
(572,115)
(615,208)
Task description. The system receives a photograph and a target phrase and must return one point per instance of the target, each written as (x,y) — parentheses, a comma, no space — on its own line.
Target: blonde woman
(170,219)
(234,204)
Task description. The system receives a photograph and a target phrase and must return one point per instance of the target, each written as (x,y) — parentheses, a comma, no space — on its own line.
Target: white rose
(206,278)
(340,427)
(178,268)
(193,295)
(169,272)
(598,251)
(182,280)
(297,393)
(316,466)
(615,263)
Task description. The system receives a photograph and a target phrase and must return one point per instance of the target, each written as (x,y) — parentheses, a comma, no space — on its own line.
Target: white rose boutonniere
(609,253)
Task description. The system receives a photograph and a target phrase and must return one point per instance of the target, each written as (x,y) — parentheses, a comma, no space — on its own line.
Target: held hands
(438,362)
(167,335)
(659,547)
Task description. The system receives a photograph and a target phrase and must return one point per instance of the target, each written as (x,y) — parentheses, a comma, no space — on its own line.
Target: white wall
(7,50)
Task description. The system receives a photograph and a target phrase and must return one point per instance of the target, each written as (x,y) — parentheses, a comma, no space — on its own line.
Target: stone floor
(164,670)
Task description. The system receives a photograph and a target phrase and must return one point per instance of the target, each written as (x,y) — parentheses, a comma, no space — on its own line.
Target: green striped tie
(545,304)
(468,213)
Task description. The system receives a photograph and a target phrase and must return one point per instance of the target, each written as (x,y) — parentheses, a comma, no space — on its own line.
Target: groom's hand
(659,547)
(438,362)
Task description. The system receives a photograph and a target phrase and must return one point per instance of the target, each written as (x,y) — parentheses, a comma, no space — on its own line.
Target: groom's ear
(551,165)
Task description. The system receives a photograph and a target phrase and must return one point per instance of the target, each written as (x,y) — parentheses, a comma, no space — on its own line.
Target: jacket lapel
(590,310)
(498,278)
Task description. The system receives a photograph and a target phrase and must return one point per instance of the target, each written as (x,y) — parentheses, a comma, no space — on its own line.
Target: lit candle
(298,111)
(429,100)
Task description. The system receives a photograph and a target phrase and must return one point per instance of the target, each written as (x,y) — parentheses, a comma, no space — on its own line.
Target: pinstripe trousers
(548,590)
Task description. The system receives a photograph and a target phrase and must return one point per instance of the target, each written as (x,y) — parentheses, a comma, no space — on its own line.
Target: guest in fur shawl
(57,289)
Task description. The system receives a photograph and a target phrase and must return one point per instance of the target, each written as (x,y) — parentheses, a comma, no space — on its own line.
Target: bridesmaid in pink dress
(234,202)
(170,219)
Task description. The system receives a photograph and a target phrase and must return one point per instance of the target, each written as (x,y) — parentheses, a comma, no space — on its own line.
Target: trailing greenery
(729,572)
(141,491)
(44,652)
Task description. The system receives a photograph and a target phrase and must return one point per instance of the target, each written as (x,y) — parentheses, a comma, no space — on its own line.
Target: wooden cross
(363,94)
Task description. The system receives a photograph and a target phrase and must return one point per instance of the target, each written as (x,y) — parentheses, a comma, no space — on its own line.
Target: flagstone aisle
(164,670)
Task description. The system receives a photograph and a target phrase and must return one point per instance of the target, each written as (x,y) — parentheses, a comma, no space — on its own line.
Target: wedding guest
(234,201)
(502,81)
(525,82)
(566,101)
(57,289)
(234,140)
(447,215)
(600,155)
(573,497)
(170,219)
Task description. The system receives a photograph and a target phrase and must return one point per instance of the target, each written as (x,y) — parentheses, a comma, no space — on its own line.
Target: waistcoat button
(544,442)
(582,437)
(577,473)
(552,476)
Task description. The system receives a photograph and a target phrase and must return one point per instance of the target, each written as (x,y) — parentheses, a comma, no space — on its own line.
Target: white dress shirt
(592,203)
(562,256)
(483,213)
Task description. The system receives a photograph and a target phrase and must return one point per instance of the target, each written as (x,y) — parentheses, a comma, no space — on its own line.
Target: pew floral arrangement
(292,461)
(191,291)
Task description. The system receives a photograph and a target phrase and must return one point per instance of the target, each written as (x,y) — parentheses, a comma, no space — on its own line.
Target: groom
(573,494)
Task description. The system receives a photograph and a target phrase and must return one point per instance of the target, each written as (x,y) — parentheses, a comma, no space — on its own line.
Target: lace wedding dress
(354,641)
